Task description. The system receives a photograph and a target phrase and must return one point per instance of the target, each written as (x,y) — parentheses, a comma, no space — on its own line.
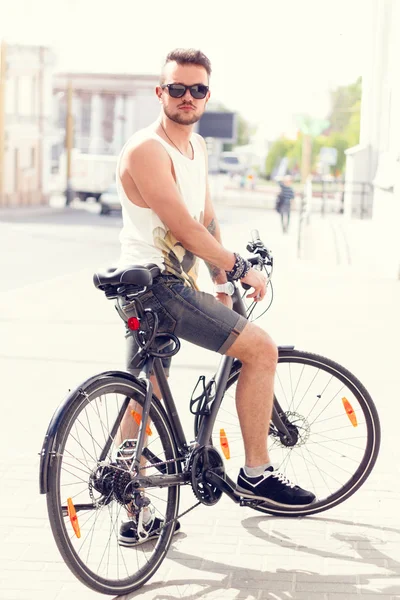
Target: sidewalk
(56,206)
(356,243)
(54,341)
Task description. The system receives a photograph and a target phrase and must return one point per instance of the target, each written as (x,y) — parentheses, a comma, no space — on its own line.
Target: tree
(345,122)
(279,149)
(345,101)
(244,129)
(352,131)
(343,132)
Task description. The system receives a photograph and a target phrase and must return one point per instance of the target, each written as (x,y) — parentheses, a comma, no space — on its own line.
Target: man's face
(186,110)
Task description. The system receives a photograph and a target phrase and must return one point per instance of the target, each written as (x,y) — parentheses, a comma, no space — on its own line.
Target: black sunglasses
(178,90)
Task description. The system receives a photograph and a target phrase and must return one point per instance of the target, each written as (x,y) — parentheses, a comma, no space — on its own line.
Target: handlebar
(263,256)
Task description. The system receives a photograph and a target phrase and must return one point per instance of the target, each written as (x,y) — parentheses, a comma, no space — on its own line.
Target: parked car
(109,200)
(91,173)
(231,163)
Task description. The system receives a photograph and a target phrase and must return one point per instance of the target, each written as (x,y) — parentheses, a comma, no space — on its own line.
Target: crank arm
(221,484)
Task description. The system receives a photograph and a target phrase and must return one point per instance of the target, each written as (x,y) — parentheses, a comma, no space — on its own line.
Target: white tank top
(144,237)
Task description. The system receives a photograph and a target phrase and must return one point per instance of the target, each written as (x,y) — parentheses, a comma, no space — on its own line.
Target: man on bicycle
(169,221)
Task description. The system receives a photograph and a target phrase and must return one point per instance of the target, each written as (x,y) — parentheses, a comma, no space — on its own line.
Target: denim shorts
(194,316)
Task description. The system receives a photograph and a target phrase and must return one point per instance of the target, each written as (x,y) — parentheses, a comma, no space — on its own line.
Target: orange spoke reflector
(138,419)
(223,440)
(73,518)
(350,412)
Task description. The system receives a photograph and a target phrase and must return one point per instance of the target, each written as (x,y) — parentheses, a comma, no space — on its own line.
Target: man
(169,220)
(286,196)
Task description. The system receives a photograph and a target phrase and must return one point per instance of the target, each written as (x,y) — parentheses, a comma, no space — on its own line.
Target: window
(10,96)
(34,96)
(16,169)
(25,96)
(62,111)
(108,118)
(16,96)
(86,113)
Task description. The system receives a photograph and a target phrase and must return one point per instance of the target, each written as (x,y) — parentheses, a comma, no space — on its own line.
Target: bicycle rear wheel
(335,425)
(86,478)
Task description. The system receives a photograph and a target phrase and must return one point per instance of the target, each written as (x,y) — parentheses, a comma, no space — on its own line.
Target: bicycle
(324,429)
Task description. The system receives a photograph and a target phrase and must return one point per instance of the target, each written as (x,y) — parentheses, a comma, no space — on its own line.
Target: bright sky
(271,59)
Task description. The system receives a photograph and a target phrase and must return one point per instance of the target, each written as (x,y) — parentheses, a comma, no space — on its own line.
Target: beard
(182,118)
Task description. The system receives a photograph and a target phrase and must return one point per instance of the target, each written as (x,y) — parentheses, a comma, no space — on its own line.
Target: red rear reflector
(350,412)
(133,323)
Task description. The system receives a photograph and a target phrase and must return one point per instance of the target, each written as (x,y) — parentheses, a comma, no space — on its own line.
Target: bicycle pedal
(249,502)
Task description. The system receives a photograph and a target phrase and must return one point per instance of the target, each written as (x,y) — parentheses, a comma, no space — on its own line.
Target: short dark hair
(187,56)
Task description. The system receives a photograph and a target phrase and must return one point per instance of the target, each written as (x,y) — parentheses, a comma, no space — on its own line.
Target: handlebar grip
(254,260)
(255,235)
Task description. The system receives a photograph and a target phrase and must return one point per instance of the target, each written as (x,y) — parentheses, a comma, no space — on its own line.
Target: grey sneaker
(128,535)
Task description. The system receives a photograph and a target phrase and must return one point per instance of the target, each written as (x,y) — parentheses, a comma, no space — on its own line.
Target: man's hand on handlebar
(257,280)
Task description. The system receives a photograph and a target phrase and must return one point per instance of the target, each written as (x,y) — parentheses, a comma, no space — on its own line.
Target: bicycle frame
(204,434)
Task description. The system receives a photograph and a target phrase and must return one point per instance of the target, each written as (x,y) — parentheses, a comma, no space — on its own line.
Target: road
(57,330)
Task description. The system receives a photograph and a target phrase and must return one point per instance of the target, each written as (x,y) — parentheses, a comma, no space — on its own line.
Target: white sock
(147,514)
(256,471)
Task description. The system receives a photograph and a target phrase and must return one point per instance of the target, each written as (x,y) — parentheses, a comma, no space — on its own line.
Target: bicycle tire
(67,543)
(365,408)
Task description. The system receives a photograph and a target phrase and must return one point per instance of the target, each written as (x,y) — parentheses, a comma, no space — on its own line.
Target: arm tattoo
(214,271)
(212,227)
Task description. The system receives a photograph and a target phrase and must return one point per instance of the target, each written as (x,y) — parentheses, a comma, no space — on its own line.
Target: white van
(231,162)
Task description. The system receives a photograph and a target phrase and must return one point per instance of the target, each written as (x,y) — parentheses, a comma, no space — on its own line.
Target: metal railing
(361,192)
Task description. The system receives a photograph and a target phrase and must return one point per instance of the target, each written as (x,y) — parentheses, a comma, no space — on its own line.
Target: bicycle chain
(164,462)
(157,531)
(176,518)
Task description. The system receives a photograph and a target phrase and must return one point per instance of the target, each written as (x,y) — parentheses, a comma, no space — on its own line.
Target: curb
(12,214)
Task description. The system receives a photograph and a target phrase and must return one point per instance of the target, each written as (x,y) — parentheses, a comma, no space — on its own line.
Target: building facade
(107,109)
(376,160)
(25,124)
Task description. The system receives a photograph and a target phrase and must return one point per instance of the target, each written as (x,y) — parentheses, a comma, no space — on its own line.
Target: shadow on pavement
(249,582)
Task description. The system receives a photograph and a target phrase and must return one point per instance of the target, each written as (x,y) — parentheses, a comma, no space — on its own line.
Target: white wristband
(225,288)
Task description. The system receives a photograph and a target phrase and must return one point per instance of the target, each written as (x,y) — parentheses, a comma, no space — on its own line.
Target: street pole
(305,157)
(3,50)
(69,134)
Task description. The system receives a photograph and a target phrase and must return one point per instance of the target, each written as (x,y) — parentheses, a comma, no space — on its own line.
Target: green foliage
(279,149)
(345,121)
(344,132)
(352,131)
(345,101)
(244,129)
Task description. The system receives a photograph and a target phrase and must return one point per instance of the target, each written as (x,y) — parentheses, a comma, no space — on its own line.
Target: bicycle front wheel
(334,425)
(89,485)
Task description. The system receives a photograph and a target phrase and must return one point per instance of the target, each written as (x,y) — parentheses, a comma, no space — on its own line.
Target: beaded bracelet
(240,268)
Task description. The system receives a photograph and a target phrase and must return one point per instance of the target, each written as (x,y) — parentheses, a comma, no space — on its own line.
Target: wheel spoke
(85,480)
(330,454)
